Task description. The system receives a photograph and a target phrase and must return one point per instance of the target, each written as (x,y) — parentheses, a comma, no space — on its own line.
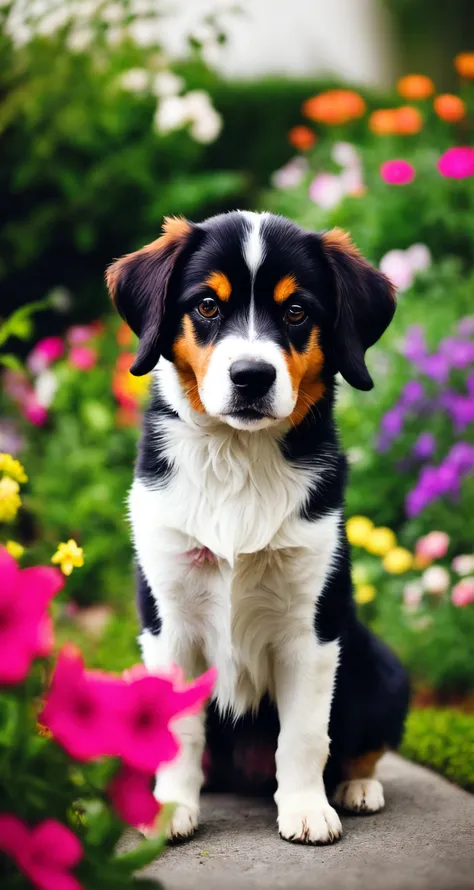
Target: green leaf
(19,323)
(11,362)
(148,850)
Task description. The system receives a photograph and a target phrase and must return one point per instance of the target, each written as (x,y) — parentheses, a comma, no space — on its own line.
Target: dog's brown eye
(208,308)
(295,314)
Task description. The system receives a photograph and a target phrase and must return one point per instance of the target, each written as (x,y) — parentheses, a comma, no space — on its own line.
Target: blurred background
(357,113)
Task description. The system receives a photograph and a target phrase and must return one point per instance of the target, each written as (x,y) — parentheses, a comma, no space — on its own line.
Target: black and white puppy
(237,510)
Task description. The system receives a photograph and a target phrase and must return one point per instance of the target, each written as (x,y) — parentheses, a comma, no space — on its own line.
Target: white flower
(345,154)
(206,127)
(412,595)
(291,174)
(113,13)
(79,40)
(326,190)
(351,180)
(46,385)
(198,102)
(463,564)
(356,455)
(396,266)
(135,80)
(171,114)
(436,579)
(165,83)
(419,257)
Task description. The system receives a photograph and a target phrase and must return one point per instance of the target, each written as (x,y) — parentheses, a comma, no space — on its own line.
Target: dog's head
(255,313)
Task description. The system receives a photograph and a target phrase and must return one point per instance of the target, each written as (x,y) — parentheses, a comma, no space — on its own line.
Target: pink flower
(132,797)
(397,172)
(45,854)
(34,412)
(457,163)
(24,629)
(79,708)
(83,357)
(326,190)
(147,706)
(463,564)
(396,265)
(433,546)
(291,174)
(462,593)
(419,257)
(79,334)
(44,353)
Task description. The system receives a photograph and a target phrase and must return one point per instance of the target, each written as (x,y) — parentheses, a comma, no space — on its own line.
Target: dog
(237,512)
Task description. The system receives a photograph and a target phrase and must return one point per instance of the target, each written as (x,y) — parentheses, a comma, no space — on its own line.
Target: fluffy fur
(237,512)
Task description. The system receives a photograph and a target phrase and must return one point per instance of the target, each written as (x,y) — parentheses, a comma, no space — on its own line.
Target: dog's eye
(208,308)
(294,314)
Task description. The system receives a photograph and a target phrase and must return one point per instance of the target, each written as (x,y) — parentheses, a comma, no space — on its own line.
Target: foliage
(444,741)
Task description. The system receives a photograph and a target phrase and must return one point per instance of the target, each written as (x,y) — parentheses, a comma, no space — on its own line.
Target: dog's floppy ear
(365,304)
(138,285)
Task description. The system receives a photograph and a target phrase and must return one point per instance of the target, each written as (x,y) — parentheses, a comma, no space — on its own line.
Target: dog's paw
(183,823)
(360,796)
(317,823)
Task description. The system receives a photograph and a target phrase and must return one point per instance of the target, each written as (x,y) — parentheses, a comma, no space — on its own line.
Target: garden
(102,136)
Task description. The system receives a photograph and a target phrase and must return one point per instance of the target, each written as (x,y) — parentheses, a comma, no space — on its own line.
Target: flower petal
(9,573)
(14,835)
(57,844)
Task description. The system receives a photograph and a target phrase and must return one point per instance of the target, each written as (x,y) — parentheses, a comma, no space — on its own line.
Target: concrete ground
(423,840)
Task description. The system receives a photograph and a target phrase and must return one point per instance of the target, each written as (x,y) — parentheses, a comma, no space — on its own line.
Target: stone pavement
(423,840)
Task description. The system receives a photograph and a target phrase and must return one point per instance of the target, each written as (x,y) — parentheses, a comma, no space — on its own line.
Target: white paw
(360,796)
(183,823)
(317,823)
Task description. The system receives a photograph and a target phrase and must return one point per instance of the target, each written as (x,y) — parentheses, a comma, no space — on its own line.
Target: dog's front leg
(180,781)
(304,681)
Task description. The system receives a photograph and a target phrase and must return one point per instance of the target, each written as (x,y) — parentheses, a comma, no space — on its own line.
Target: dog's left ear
(138,285)
(365,305)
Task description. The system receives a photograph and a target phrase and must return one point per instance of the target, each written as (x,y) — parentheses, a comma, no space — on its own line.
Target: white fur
(254,250)
(360,795)
(251,613)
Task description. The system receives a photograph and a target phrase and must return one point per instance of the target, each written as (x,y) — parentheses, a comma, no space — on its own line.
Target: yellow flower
(12,467)
(364,593)
(358,529)
(10,500)
(15,549)
(69,556)
(380,541)
(398,561)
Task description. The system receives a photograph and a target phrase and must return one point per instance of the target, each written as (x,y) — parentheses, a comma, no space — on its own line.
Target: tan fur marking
(284,288)
(337,239)
(220,284)
(191,361)
(362,767)
(304,369)
(174,229)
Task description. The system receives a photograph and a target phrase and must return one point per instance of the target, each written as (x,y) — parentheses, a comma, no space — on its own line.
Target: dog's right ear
(138,285)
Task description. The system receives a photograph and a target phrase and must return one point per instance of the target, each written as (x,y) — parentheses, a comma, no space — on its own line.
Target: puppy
(237,511)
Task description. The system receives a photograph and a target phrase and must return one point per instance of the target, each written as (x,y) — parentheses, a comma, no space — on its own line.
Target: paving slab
(422,840)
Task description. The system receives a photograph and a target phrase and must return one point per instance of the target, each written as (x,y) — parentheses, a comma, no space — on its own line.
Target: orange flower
(124,335)
(334,107)
(464,64)
(415,86)
(383,122)
(409,120)
(301,138)
(449,108)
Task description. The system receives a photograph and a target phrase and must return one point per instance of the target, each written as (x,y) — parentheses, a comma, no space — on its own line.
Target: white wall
(350,38)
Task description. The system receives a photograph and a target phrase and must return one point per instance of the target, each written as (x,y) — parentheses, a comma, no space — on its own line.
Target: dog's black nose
(253,379)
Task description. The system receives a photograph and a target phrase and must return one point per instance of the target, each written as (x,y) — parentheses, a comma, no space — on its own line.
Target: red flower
(79,708)
(301,138)
(24,627)
(131,794)
(146,708)
(45,854)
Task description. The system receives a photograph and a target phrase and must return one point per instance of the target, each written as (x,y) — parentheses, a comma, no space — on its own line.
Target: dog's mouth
(249,414)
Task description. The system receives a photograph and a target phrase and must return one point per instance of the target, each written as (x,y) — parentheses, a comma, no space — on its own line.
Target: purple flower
(415,502)
(447,478)
(414,347)
(461,456)
(424,446)
(412,393)
(436,367)
(470,384)
(461,409)
(459,352)
(392,422)
(466,326)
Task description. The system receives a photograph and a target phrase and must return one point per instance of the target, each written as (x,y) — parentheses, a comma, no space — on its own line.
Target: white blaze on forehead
(253,247)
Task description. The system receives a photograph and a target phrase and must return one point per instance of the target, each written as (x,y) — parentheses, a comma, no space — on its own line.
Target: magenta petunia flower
(45,854)
(25,632)
(457,162)
(397,172)
(44,353)
(132,797)
(82,357)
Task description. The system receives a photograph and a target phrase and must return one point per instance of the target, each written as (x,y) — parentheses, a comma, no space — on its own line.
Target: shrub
(444,741)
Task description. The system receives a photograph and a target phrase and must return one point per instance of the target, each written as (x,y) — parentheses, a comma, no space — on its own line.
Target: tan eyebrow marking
(220,284)
(285,288)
